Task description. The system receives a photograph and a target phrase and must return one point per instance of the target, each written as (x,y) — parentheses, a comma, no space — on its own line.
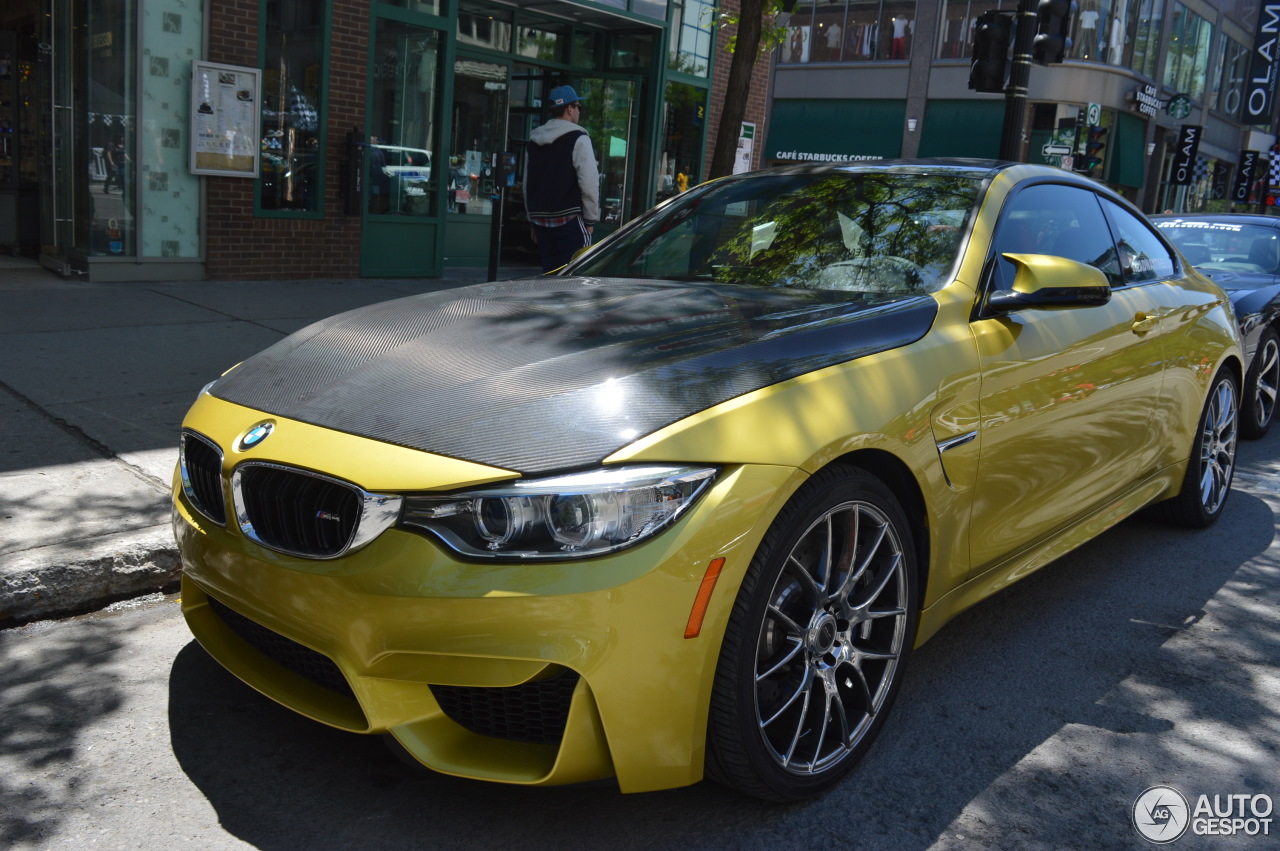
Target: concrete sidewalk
(94,382)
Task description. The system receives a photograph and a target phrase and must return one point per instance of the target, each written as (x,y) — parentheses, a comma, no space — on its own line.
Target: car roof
(964,166)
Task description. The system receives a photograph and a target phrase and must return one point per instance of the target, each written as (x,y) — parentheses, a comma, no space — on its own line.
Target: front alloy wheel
(816,645)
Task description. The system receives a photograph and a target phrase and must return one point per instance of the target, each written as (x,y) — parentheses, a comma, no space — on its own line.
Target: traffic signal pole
(1015,95)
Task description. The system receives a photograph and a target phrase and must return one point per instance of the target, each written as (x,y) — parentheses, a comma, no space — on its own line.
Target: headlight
(584,514)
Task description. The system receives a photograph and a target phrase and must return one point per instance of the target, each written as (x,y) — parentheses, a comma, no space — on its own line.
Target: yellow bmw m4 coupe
(685,507)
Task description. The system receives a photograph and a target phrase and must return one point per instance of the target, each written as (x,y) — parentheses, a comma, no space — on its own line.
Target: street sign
(1052,150)
(1094,113)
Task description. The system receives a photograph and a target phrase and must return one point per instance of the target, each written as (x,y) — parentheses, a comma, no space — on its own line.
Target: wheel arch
(894,473)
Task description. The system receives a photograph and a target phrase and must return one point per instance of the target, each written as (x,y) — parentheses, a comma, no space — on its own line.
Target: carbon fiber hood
(548,374)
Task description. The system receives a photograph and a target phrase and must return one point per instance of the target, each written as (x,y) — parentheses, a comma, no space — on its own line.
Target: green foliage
(774,26)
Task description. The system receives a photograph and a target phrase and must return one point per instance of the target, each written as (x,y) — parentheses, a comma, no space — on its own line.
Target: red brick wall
(242,246)
(755,111)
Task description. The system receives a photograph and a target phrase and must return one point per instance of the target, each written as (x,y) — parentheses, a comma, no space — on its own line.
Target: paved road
(1033,721)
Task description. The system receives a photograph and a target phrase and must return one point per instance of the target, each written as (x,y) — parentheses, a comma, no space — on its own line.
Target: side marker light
(703,598)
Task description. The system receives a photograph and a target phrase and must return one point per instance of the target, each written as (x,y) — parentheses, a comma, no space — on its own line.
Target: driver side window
(1063,221)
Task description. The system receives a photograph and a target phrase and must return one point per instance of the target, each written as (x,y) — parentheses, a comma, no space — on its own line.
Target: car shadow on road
(1063,697)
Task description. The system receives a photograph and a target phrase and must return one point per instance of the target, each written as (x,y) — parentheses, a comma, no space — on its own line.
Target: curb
(110,569)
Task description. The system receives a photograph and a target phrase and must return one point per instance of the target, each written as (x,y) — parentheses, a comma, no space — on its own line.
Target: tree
(761,26)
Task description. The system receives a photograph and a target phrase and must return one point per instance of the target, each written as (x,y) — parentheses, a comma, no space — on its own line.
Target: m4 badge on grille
(328,515)
(256,435)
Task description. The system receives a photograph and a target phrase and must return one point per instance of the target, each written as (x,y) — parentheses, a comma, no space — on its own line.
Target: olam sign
(1264,68)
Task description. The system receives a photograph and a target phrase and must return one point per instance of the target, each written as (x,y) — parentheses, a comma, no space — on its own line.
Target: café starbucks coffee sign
(1146,100)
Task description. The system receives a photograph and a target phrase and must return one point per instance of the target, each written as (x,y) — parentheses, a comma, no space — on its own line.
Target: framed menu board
(225,119)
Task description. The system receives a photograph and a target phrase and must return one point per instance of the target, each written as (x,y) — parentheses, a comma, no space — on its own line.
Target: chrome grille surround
(200,466)
(285,508)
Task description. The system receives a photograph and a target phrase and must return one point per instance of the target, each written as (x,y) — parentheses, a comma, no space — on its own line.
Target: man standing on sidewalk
(562,185)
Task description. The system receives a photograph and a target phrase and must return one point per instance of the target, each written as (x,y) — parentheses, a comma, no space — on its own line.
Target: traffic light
(991,40)
(1093,145)
(1053,30)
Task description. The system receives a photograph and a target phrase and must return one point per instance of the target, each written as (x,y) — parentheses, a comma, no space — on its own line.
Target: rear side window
(1065,221)
(1143,257)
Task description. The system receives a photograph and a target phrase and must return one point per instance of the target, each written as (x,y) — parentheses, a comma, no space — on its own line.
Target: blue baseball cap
(562,95)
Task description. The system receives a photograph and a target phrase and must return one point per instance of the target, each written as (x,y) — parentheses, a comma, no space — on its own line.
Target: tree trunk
(738,87)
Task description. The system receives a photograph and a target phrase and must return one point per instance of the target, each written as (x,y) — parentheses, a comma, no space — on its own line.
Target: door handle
(1144,323)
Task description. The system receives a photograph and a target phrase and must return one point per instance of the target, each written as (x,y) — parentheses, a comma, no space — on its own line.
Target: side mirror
(1043,280)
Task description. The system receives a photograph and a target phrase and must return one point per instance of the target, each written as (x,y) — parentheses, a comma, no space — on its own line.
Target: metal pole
(1015,96)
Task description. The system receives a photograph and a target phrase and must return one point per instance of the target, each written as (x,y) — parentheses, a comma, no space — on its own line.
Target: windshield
(1227,246)
(850,231)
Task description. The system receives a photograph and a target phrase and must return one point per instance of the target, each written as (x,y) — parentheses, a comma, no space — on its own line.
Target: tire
(815,646)
(1207,482)
(1258,407)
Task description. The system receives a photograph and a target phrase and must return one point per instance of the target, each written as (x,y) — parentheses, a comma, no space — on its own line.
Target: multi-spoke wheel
(1259,405)
(814,650)
(1213,459)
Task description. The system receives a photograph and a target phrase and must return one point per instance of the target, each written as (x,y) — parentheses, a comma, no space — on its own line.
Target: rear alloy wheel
(1259,405)
(1213,460)
(814,651)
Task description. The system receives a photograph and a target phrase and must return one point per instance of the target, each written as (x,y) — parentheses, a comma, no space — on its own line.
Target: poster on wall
(225,119)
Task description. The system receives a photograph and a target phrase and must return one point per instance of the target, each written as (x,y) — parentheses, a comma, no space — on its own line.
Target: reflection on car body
(685,507)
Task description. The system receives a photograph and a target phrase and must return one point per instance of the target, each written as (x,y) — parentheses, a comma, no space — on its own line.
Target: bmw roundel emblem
(256,435)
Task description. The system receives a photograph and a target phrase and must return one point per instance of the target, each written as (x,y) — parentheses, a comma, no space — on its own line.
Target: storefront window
(483,25)
(293,71)
(113,143)
(897,29)
(656,9)
(795,48)
(630,51)
(1187,64)
(405,90)
(480,92)
(1146,39)
(546,42)
(1093,28)
(682,139)
(828,33)
(586,46)
(863,30)
(692,36)
(426,7)
(959,20)
(1227,90)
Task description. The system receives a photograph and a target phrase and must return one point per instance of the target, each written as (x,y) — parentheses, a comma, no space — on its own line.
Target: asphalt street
(1034,721)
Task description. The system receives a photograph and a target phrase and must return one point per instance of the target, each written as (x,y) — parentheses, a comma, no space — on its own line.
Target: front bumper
(531,674)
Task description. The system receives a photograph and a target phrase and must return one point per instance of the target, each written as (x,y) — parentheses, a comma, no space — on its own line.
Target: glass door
(57,105)
(609,108)
(478,136)
(400,219)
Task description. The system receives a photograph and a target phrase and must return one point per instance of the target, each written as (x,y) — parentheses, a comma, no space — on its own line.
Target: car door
(1068,393)
(1147,261)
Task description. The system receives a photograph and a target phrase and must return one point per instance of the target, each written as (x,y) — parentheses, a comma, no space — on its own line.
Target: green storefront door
(400,231)
(477,136)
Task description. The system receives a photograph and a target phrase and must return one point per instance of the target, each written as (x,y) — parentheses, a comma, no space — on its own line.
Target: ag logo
(256,435)
(1161,814)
